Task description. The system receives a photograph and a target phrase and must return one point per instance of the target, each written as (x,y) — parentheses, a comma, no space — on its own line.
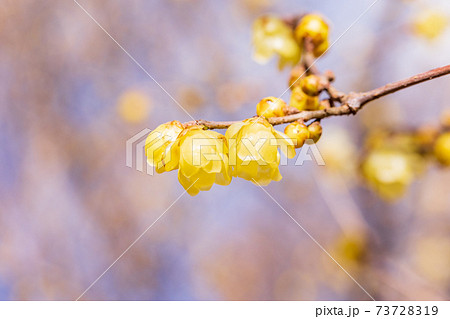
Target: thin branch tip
(351,103)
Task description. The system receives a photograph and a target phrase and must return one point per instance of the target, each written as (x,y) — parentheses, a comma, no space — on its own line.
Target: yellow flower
(389,172)
(430,24)
(272,36)
(254,152)
(351,248)
(134,106)
(203,159)
(158,146)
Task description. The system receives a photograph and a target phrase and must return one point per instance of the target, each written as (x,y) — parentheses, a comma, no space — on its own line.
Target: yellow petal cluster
(202,159)
(253,147)
(249,150)
(272,36)
(158,146)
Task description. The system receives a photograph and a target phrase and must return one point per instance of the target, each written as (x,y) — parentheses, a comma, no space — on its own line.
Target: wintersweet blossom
(272,36)
(254,152)
(202,159)
(158,145)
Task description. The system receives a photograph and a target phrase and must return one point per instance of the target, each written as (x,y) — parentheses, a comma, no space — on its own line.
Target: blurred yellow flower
(442,149)
(430,24)
(352,248)
(158,146)
(272,36)
(339,152)
(389,172)
(203,159)
(133,106)
(191,97)
(254,152)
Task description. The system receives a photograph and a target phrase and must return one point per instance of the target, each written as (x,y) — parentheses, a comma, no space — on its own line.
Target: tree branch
(351,103)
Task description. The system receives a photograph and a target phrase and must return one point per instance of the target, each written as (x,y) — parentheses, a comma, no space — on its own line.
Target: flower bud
(298,132)
(321,48)
(303,102)
(271,107)
(310,85)
(315,131)
(314,27)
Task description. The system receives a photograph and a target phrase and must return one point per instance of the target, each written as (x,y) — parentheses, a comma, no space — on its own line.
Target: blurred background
(69,206)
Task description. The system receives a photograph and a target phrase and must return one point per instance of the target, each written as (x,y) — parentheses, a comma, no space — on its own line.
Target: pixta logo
(204,150)
(135,152)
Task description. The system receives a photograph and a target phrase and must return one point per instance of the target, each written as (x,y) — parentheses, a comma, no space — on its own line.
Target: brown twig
(293,20)
(309,61)
(352,103)
(309,58)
